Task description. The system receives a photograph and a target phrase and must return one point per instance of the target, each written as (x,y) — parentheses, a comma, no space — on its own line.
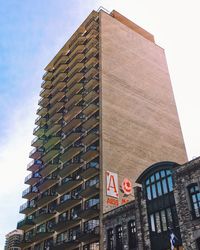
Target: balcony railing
(34,165)
(59,78)
(58,87)
(70,153)
(27,207)
(47,76)
(32,178)
(75,79)
(36,153)
(46,84)
(30,193)
(90,169)
(25,224)
(58,96)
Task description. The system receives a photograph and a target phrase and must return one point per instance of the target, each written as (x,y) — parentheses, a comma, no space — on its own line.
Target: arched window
(194,193)
(131,235)
(110,240)
(158,184)
(119,237)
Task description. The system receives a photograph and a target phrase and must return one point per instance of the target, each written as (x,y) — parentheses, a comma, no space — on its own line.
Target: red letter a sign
(112,184)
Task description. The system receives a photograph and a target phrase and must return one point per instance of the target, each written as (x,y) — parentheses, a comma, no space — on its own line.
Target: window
(195,200)
(110,240)
(90,225)
(119,237)
(92,202)
(74,233)
(91,182)
(74,212)
(158,184)
(92,246)
(131,235)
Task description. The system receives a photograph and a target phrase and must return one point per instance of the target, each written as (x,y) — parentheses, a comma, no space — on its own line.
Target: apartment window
(92,202)
(74,233)
(110,239)
(92,246)
(74,212)
(131,235)
(158,184)
(195,200)
(91,182)
(61,237)
(91,224)
(63,216)
(119,237)
(65,197)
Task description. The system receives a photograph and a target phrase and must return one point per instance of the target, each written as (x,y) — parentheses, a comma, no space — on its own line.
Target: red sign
(127,186)
(112,184)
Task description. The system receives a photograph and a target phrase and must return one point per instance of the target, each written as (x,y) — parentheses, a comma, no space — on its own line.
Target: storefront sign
(112,184)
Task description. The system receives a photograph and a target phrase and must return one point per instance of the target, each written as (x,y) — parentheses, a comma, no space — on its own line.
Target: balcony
(47,76)
(70,153)
(92,96)
(30,193)
(67,170)
(28,207)
(25,224)
(51,142)
(55,118)
(90,154)
(92,62)
(43,102)
(40,235)
(53,129)
(47,183)
(58,87)
(73,101)
(60,225)
(36,153)
(72,113)
(42,111)
(37,142)
(44,215)
(59,78)
(69,140)
(34,165)
(90,110)
(92,25)
(79,41)
(50,155)
(62,60)
(92,43)
(75,79)
(32,178)
(78,50)
(90,138)
(91,85)
(40,121)
(57,97)
(90,212)
(45,198)
(91,73)
(61,69)
(71,202)
(89,170)
(74,90)
(48,169)
(56,107)
(67,186)
(89,191)
(39,131)
(90,123)
(77,68)
(72,125)
(45,93)
(76,59)
(92,52)
(46,84)
(67,245)
(90,235)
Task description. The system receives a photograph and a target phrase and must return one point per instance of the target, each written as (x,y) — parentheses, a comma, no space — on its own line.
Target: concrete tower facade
(107,112)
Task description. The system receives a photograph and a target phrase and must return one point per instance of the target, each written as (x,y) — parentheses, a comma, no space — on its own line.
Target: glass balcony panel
(28,207)
(72,125)
(78,50)
(56,108)
(73,101)
(53,141)
(70,153)
(43,102)
(53,129)
(62,60)
(72,113)
(59,78)
(58,87)
(30,193)
(61,69)
(34,165)
(75,79)
(57,97)
(46,84)
(75,69)
(50,155)
(55,119)
(74,90)
(91,73)
(47,76)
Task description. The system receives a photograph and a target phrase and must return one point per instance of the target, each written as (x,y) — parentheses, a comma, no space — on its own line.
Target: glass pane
(170,183)
(148,193)
(157,176)
(154,191)
(147,182)
(162,173)
(153,228)
(169,217)
(164,185)
(159,188)
(164,221)
(158,226)
(152,178)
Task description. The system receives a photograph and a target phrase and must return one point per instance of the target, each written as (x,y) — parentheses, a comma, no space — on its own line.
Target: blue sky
(31,32)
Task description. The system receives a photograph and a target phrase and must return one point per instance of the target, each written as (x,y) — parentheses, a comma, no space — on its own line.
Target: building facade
(167,203)
(13,239)
(106,112)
